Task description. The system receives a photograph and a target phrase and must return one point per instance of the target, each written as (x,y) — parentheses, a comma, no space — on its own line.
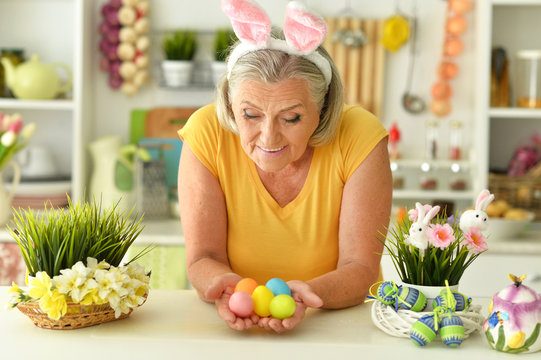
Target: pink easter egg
(460,6)
(241,304)
(441,90)
(448,70)
(441,108)
(453,47)
(456,25)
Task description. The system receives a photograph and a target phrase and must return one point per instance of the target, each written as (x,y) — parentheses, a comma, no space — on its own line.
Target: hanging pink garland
(455,25)
(125,44)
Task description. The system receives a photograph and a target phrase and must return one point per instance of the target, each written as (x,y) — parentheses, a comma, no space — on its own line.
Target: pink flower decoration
(440,236)
(16,125)
(413,213)
(475,241)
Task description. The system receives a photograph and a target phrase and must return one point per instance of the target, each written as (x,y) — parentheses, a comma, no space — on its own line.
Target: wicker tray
(77,316)
(519,191)
(398,323)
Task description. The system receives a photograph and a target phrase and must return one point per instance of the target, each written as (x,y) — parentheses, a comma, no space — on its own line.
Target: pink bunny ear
(480,199)
(303,30)
(249,21)
(431,214)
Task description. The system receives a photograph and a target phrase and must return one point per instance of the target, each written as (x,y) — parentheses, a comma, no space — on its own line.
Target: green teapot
(34,80)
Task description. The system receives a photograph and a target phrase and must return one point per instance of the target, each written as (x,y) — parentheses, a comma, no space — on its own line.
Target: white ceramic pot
(219,68)
(6,197)
(430,292)
(177,73)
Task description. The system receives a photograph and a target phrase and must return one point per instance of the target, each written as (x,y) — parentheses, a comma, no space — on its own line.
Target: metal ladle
(412,103)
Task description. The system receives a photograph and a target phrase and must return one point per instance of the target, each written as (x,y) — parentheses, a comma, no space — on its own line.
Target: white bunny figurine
(417,235)
(477,219)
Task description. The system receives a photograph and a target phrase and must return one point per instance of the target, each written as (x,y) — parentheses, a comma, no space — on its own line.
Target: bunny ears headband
(303,31)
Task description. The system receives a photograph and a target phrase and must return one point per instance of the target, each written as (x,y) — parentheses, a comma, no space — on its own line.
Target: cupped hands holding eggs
(273,299)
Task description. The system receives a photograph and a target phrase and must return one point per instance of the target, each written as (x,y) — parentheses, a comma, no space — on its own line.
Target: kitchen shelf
(8,103)
(433,194)
(516,113)
(434,163)
(516,2)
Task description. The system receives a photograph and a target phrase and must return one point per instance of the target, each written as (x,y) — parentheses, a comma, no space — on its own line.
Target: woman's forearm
(203,273)
(346,286)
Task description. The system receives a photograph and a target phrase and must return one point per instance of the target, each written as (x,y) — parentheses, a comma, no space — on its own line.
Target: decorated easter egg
(241,304)
(386,292)
(278,287)
(423,331)
(461,301)
(282,306)
(411,299)
(451,330)
(262,298)
(247,285)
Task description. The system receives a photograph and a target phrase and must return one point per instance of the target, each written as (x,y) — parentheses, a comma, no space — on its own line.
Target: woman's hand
(304,298)
(220,291)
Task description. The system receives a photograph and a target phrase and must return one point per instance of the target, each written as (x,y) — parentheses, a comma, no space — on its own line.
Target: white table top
(176,324)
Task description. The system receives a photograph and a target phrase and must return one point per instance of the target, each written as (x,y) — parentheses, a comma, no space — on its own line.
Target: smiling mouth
(271,150)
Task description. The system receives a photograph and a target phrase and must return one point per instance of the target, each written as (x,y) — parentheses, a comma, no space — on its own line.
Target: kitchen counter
(176,324)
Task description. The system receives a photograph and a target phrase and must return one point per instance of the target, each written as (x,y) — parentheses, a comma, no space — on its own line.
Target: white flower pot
(219,68)
(177,73)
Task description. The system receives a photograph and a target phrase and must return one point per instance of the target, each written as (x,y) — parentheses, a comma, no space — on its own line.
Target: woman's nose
(269,132)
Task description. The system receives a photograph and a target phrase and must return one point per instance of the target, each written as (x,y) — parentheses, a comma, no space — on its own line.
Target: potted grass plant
(74,259)
(179,48)
(428,248)
(223,40)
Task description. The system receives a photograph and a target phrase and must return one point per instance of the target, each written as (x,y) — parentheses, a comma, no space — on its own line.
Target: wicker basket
(77,316)
(519,191)
(398,323)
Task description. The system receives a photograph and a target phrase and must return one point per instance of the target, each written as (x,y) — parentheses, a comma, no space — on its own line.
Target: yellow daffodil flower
(516,340)
(54,304)
(40,285)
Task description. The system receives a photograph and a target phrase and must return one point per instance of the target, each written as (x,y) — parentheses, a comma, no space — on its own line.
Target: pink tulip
(15,125)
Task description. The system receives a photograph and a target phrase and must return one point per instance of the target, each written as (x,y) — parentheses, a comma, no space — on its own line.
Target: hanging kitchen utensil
(396,31)
(350,37)
(412,103)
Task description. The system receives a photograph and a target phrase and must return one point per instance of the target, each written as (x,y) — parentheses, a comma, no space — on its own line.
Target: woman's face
(275,121)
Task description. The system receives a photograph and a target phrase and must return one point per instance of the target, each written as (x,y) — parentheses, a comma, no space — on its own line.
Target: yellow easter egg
(262,298)
(282,306)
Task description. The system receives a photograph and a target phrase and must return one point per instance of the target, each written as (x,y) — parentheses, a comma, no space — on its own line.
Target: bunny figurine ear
(250,22)
(303,30)
(483,199)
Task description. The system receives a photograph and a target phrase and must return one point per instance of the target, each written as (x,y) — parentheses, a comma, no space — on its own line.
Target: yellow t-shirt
(300,240)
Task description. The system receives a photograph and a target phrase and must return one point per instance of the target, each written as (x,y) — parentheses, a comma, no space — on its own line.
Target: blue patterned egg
(451,330)
(461,300)
(423,331)
(386,292)
(411,299)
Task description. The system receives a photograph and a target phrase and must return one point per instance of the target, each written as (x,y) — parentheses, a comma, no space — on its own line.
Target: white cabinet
(58,31)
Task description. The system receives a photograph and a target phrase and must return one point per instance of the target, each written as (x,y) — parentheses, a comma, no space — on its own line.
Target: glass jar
(431,143)
(455,141)
(528,79)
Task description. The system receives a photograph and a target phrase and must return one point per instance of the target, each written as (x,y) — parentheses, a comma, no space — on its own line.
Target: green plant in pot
(179,48)
(427,248)
(74,256)
(223,40)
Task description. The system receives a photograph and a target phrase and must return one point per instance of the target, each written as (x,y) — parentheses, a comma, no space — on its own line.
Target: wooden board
(164,122)
(362,68)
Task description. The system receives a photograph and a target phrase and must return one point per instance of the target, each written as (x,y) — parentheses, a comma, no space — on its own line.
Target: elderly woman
(280,179)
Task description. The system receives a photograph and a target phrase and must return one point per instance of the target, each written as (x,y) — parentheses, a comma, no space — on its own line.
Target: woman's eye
(248,115)
(293,120)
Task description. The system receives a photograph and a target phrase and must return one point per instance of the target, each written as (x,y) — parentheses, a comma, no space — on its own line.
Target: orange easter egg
(448,70)
(452,47)
(460,6)
(441,90)
(456,25)
(441,108)
(247,285)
